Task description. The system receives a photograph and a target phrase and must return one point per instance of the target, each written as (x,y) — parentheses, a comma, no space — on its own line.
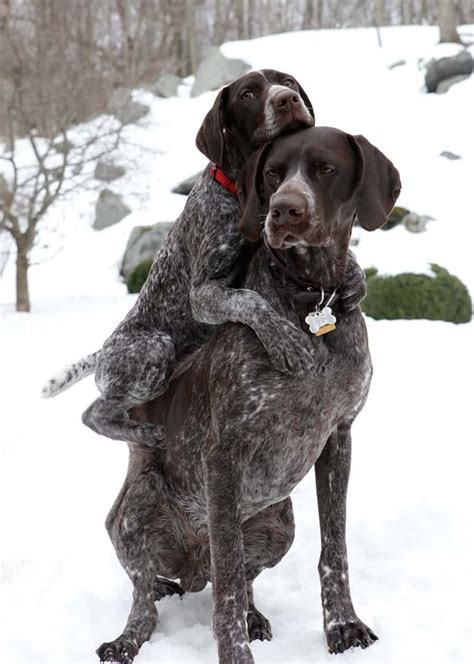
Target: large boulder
(416,223)
(166,86)
(142,246)
(185,186)
(446,68)
(447,154)
(448,83)
(109,210)
(107,171)
(395,218)
(216,70)
(124,108)
(63,146)
(400,216)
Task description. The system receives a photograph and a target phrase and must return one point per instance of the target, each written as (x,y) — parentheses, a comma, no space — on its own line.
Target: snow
(409,516)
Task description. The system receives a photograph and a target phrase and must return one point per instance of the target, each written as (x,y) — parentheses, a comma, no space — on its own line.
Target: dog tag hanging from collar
(322,321)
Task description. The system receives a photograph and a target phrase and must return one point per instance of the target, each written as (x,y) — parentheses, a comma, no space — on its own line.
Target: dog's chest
(293,419)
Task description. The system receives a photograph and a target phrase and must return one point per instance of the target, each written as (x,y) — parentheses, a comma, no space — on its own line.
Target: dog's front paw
(120,651)
(352,634)
(258,626)
(288,347)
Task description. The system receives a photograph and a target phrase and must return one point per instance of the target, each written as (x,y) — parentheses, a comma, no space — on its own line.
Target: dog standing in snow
(215,504)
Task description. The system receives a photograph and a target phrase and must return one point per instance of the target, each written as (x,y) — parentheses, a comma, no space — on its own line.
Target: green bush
(438,297)
(138,276)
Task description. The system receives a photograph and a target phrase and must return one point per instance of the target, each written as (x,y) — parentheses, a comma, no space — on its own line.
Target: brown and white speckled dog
(194,281)
(215,504)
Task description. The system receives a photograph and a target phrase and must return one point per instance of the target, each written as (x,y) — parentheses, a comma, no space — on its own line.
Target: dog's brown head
(253,109)
(311,184)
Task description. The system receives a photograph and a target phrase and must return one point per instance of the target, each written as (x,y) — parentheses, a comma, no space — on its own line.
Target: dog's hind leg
(133,367)
(133,526)
(140,624)
(342,626)
(267,538)
(109,417)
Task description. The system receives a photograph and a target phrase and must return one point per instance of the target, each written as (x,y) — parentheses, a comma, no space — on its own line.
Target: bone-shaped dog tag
(321,322)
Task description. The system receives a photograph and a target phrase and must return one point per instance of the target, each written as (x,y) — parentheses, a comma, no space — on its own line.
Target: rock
(142,245)
(109,210)
(186,185)
(125,109)
(63,146)
(416,223)
(166,86)
(107,171)
(396,217)
(413,222)
(215,70)
(445,68)
(449,155)
(398,63)
(448,83)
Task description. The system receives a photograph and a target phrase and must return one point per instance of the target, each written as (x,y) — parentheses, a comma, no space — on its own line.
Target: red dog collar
(222,179)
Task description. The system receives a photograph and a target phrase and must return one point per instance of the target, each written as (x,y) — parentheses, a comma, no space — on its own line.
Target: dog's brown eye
(247,94)
(326,170)
(289,82)
(271,173)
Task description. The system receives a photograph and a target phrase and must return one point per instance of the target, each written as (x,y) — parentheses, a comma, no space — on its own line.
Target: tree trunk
(447,21)
(22,291)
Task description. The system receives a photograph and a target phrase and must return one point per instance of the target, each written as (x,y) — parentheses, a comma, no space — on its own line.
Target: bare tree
(43,165)
(447,20)
(39,171)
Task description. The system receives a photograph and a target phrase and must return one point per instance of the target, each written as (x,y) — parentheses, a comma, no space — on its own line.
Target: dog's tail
(73,373)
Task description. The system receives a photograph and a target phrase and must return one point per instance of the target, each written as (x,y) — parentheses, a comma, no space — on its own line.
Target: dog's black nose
(285,99)
(287,208)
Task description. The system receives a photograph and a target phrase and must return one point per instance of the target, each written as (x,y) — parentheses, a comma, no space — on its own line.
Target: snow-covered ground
(409,515)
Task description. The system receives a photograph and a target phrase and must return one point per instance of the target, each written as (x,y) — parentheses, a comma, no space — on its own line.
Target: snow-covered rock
(215,70)
(166,86)
(126,109)
(447,68)
(142,245)
(185,186)
(107,171)
(109,209)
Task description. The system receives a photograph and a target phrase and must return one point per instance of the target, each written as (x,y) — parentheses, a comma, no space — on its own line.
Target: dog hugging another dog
(241,365)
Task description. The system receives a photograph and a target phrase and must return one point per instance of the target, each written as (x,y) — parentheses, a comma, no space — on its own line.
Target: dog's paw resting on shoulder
(288,348)
(354,287)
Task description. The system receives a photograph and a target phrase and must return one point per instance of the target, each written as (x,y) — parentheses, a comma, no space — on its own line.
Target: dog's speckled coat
(240,435)
(193,282)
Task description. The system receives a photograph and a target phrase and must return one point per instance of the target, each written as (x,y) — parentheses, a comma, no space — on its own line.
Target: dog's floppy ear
(305,99)
(211,137)
(249,187)
(379,184)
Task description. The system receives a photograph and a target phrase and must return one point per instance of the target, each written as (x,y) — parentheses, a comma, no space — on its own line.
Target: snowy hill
(64,592)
